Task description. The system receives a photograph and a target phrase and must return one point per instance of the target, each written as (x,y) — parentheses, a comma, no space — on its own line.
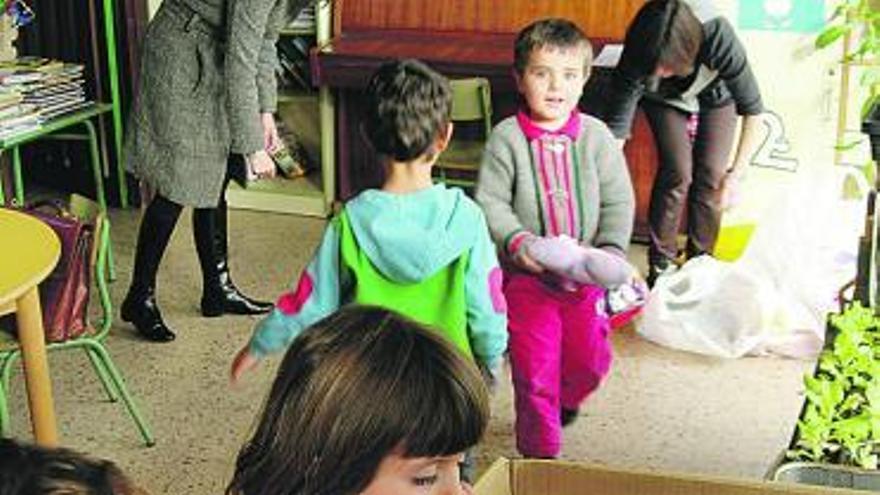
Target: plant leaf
(831,34)
(848,146)
(868,105)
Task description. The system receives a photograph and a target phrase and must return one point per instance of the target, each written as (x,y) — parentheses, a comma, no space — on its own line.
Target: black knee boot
(219,294)
(139,307)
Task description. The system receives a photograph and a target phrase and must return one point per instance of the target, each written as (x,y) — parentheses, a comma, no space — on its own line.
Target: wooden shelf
(300,196)
(314,123)
(297,96)
(288,31)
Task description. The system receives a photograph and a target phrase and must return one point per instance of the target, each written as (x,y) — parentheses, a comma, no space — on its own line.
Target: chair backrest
(89,211)
(472,101)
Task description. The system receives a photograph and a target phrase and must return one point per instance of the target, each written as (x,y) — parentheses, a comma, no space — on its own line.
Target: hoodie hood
(409,237)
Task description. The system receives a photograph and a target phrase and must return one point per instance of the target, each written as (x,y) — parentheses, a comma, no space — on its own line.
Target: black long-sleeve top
(722,74)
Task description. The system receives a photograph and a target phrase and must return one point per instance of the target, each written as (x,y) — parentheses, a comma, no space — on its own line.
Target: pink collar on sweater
(571,128)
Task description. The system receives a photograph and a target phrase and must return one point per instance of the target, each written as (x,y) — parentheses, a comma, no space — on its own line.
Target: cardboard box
(533,477)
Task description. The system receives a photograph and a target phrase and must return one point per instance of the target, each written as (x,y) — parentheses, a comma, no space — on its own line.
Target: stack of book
(16,116)
(35,89)
(304,21)
(293,58)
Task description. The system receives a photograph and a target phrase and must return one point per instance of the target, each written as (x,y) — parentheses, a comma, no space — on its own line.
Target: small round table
(29,250)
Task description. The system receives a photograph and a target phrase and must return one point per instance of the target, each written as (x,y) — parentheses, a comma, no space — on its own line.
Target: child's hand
(244,361)
(526,262)
(491,373)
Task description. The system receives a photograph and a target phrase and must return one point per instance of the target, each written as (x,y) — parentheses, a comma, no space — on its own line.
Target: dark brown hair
(553,32)
(355,387)
(29,469)
(408,108)
(663,32)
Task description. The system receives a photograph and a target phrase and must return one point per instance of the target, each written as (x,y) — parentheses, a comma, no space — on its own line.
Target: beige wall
(801,86)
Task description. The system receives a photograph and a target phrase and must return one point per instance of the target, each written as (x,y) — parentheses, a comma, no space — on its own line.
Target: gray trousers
(689,177)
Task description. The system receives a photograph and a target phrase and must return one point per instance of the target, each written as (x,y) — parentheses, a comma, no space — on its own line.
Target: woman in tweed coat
(206,96)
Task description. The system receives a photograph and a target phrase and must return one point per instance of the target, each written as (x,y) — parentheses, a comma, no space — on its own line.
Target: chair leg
(5,372)
(4,412)
(101,371)
(99,186)
(17,178)
(101,353)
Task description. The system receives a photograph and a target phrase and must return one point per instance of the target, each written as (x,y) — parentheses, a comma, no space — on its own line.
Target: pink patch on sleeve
(291,302)
(499,303)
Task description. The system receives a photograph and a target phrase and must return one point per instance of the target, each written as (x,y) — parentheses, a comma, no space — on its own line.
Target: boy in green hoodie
(414,247)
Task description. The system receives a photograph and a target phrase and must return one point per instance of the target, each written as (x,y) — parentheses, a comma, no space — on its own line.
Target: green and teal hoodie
(425,254)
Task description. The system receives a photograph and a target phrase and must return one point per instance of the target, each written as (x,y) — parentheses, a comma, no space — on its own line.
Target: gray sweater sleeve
(617,202)
(247,25)
(495,187)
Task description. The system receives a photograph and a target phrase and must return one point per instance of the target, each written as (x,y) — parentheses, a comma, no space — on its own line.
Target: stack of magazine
(34,90)
(304,21)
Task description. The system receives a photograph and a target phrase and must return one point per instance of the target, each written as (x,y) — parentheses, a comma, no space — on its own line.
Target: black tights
(155,231)
(157,225)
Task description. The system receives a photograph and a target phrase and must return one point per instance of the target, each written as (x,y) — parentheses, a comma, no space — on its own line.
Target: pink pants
(559,353)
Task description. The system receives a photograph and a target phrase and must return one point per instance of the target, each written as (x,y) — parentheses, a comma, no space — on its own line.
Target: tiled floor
(659,410)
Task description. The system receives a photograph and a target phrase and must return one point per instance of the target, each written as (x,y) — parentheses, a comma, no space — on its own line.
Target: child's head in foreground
(408,110)
(365,402)
(29,470)
(552,60)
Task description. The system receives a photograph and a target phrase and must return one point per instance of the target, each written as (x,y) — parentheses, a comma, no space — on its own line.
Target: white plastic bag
(684,310)
(775,298)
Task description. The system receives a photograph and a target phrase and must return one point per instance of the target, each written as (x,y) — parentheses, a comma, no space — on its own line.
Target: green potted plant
(856,24)
(837,438)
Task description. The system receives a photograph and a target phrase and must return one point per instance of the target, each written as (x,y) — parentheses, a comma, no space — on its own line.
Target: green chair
(472,116)
(92,341)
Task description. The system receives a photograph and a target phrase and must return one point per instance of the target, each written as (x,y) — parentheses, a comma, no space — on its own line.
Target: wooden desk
(346,63)
(29,251)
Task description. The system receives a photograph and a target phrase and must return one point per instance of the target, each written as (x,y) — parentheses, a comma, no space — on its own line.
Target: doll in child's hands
(563,256)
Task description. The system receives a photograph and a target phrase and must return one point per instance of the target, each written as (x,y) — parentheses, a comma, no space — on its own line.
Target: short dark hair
(554,32)
(663,32)
(28,469)
(408,108)
(363,383)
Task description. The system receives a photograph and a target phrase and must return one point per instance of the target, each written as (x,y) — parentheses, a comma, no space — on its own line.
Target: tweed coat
(207,72)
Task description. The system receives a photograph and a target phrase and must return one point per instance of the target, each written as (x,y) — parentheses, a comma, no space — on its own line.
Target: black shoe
(219,294)
(144,314)
(659,268)
(568,416)
(222,297)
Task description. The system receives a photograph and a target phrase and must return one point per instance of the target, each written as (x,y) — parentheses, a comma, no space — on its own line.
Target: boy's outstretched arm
(317,294)
(486,306)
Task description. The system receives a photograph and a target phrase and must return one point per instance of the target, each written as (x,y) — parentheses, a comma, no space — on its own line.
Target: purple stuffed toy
(563,256)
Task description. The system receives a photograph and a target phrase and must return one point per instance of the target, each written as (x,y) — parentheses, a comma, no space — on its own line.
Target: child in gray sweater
(552,171)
